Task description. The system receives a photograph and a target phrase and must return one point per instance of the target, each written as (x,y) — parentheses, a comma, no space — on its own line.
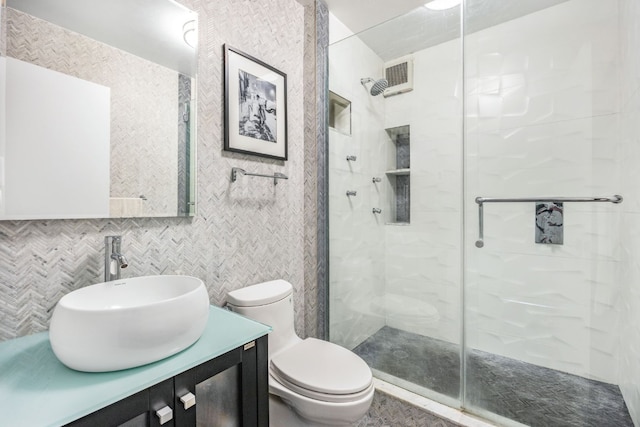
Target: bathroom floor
(527,393)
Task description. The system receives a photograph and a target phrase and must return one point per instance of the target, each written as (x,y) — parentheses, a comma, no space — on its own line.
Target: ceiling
(396,28)
(359,15)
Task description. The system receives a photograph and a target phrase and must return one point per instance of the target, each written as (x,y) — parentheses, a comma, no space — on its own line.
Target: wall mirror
(97,109)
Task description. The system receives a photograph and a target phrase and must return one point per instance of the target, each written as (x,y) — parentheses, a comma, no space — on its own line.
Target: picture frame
(255,103)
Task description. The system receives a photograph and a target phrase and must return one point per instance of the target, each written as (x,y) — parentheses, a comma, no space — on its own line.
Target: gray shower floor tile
(529,394)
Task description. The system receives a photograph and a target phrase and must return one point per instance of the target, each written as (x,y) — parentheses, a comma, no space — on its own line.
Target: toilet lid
(323,367)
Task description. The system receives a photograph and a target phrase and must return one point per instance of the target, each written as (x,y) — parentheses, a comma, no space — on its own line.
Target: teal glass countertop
(36,389)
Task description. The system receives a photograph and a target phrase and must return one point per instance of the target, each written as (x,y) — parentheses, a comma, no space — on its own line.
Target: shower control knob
(377,210)
(352,193)
(376,179)
(351,158)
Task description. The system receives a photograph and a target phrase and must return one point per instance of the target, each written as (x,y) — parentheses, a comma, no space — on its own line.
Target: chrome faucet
(113,259)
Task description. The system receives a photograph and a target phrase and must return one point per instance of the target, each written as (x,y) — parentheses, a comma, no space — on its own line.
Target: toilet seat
(322,371)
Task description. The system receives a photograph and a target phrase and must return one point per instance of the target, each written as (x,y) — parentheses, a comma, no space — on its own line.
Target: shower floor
(529,394)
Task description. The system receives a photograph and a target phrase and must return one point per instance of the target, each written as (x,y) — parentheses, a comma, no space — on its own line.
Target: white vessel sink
(130,322)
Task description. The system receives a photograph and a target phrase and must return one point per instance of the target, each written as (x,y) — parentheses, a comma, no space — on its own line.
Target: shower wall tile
(439,229)
(435,172)
(356,274)
(364,145)
(630,153)
(569,157)
(435,189)
(630,331)
(550,311)
(423,259)
(588,234)
(543,120)
(514,79)
(629,34)
(630,228)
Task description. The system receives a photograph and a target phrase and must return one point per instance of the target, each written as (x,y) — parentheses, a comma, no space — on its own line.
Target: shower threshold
(520,391)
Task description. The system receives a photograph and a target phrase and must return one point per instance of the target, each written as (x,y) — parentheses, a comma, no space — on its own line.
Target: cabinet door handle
(164,414)
(188,400)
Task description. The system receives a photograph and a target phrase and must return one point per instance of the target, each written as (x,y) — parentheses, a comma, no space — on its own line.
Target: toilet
(311,382)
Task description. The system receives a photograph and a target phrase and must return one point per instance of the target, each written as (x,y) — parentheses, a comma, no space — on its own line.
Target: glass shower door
(395,202)
(541,294)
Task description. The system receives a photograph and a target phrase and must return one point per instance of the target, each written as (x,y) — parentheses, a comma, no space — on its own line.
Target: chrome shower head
(378,85)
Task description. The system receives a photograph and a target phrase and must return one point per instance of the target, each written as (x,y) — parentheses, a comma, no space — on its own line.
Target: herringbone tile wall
(310,168)
(316,41)
(245,232)
(3,35)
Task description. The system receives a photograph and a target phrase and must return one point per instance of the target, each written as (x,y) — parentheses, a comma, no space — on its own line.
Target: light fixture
(189,33)
(442,4)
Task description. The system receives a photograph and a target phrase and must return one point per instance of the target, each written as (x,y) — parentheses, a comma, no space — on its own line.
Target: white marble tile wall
(542,119)
(630,227)
(356,234)
(423,259)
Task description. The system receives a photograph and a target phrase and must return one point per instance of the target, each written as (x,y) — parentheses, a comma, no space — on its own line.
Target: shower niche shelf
(339,113)
(397,172)
(399,175)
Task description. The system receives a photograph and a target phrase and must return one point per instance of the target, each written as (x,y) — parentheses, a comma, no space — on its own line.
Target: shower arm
(482,200)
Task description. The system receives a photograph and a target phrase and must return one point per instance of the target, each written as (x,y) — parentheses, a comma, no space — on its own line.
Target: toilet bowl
(311,382)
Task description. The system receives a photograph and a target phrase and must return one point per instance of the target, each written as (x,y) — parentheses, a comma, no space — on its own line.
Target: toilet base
(281,415)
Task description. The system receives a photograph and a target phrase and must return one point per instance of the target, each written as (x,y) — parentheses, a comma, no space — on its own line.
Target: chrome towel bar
(615,199)
(482,200)
(276,176)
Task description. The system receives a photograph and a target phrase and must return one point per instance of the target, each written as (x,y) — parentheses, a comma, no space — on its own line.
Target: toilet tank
(270,303)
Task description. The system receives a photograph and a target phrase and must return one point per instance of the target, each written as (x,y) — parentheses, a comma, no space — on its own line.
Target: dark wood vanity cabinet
(231,389)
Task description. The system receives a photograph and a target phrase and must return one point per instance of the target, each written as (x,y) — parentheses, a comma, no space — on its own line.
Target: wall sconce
(189,33)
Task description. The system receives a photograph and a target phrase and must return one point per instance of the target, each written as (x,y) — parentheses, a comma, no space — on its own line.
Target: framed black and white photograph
(255,106)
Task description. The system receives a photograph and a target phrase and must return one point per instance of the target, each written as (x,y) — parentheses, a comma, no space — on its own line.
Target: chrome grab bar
(482,200)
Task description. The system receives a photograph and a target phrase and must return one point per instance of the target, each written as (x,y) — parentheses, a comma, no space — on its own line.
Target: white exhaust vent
(399,74)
